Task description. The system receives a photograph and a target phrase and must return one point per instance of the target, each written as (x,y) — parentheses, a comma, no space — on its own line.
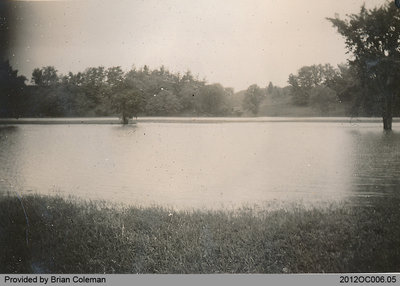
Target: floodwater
(203,165)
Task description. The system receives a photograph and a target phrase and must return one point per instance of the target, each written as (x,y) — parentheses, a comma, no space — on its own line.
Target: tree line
(100,91)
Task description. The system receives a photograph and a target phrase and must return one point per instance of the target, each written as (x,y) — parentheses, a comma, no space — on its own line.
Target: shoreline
(114,120)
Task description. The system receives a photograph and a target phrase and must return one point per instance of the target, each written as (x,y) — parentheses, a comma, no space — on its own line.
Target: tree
(96,91)
(121,92)
(212,100)
(373,37)
(11,91)
(45,76)
(344,83)
(188,92)
(253,98)
(126,102)
(307,78)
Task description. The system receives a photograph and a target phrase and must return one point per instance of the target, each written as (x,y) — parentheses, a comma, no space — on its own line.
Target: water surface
(203,165)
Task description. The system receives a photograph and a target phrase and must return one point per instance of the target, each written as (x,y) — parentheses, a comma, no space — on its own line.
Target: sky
(236,42)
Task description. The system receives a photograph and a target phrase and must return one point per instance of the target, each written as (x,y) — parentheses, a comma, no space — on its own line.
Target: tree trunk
(387,113)
(387,123)
(125,119)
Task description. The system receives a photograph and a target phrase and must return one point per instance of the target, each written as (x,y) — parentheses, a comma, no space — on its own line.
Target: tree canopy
(372,37)
(309,77)
(45,76)
(100,91)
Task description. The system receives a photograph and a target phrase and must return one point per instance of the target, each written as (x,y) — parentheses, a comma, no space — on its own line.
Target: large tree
(123,96)
(126,102)
(372,37)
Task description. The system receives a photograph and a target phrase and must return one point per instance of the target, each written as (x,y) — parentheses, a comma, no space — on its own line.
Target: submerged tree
(373,38)
(124,98)
(127,103)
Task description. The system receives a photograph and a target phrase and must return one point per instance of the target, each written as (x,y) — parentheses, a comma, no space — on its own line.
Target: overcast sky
(233,42)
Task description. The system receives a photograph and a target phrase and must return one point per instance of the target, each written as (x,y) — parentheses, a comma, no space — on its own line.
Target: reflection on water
(376,163)
(203,165)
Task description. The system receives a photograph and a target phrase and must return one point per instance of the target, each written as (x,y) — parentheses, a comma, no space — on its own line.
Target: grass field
(70,236)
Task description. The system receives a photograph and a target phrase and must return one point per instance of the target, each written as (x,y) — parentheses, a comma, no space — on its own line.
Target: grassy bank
(63,236)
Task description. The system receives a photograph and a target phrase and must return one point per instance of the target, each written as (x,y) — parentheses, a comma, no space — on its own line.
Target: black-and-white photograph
(199,137)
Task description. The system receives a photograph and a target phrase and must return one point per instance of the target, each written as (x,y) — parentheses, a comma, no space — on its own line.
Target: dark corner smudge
(6,15)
